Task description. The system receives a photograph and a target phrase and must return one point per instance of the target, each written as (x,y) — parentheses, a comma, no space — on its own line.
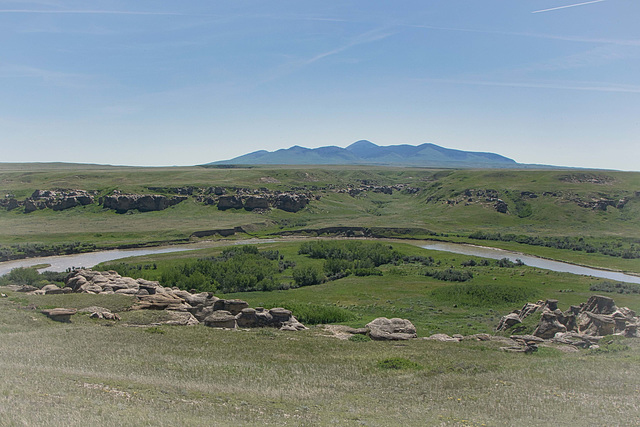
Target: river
(530,260)
(63,262)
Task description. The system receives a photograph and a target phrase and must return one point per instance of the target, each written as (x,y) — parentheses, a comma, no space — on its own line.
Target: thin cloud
(88,12)
(570,5)
(579,39)
(50,77)
(364,38)
(581,86)
(368,37)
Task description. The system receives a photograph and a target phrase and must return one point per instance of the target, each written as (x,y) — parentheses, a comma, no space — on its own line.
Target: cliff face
(122,203)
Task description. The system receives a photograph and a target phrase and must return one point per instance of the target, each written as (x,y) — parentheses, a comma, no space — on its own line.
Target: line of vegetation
(610,248)
(30,250)
(617,287)
(31,277)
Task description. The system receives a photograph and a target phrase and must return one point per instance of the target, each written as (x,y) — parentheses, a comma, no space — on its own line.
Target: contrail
(571,5)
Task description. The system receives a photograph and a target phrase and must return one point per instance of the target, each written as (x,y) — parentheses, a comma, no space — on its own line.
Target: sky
(181,83)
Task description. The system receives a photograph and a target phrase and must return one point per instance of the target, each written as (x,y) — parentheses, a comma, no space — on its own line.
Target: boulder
(292,325)
(161,301)
(391,329)
(235,306)
(596,324)
(599,304)
(508,321)
(60,314)
(291,202)
(256,202)
(221,319)
(179,318)
(441,338)
(549,325)
(230,202)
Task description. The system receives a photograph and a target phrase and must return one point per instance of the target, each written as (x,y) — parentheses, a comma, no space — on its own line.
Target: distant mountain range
(367,153)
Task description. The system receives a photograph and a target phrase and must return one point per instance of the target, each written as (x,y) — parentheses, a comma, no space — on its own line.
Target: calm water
(63,262)
(88,260)
(530,260)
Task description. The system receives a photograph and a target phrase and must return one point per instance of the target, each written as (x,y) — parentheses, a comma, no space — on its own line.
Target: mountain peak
(363,144)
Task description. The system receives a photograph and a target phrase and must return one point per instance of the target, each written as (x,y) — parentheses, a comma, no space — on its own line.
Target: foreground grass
(87,372)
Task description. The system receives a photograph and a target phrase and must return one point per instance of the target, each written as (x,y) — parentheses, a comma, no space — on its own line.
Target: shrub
(23,276)
(450,275)
(307,276)
(398,363)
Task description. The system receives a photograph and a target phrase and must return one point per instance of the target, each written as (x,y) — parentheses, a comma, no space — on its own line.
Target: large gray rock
(391,329)
(221,319)
(256,202)
(60,314)
(161,301)
(291,202)
(549,325)
(230,202)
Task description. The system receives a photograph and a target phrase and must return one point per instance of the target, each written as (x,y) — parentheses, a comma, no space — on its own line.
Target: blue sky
(183,83)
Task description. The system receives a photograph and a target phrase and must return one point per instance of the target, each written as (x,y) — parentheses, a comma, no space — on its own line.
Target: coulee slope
(367,153)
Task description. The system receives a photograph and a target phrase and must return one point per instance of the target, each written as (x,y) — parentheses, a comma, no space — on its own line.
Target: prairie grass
(84,373)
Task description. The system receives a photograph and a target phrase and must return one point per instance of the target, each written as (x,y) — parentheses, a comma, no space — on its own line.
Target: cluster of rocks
(487,197)
(601,204)
(259,200)
(581,325)
(122,203)
(385,189)
(57,200)
(187,308)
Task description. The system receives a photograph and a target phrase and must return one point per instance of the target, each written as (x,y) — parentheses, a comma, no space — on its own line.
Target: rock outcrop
(57,200)
(122,203)
(187,308)
(597,317)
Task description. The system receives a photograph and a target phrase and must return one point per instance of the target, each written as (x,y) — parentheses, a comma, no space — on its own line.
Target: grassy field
(93,372)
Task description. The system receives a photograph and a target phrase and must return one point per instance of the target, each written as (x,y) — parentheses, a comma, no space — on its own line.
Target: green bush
(237,269)
(307,276)
(450,275)
(398,363)
(23,276)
